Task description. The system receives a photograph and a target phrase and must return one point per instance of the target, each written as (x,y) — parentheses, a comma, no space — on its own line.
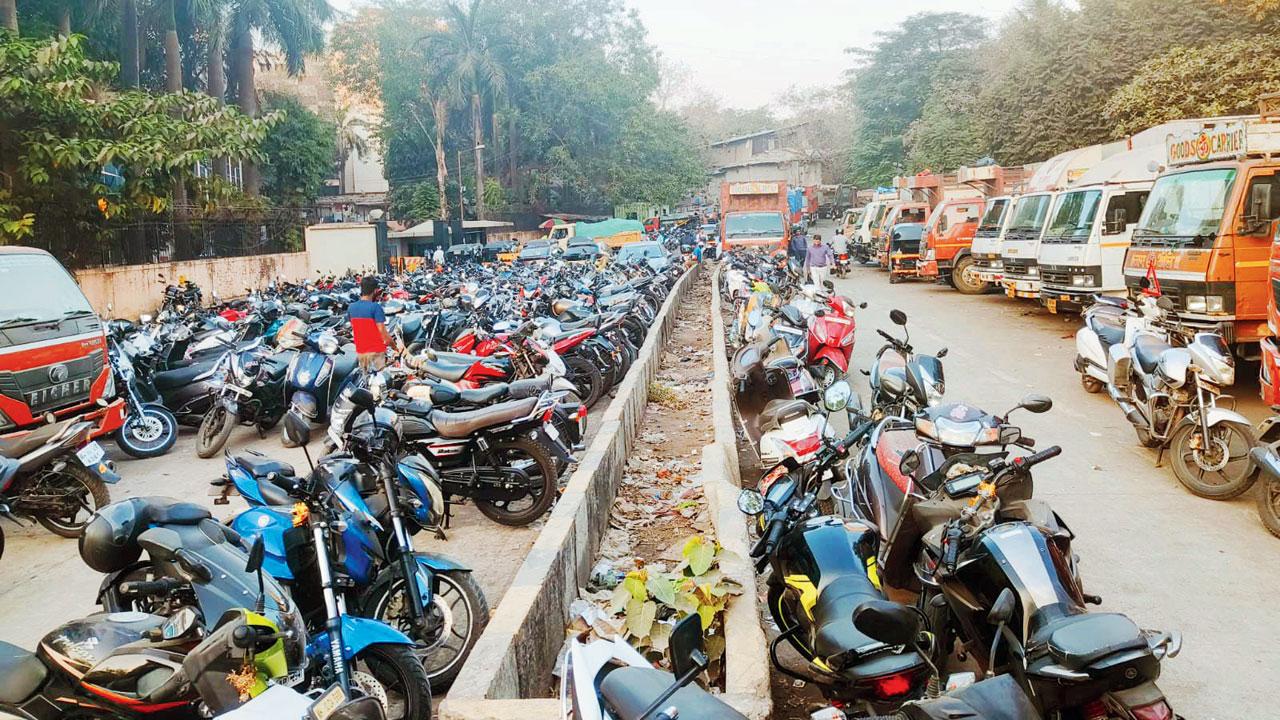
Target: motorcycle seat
(444,371)
(484,395)
(839,642)
(1148,349)
(167,511)
(777,412)
(529,387)
(21,673)
(1078,641)
(462,424)
(170,379)
(454,358)
(15,446)
(274,495)
(628,691)
(564,334)
(261,467)
(1105,326)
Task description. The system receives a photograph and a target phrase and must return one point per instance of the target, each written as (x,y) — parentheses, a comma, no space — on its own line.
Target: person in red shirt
(369,327)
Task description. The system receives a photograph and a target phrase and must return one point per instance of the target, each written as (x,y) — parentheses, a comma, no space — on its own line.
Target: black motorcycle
(251,392)
(149,429)
(902,380)
(58,476)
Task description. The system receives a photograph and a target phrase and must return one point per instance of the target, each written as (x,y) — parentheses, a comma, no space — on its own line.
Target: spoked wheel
(458,614)
(70,497)
(529,503)
(214,430)
(393,675)
(149,432)
(1269,505)
(1217,467)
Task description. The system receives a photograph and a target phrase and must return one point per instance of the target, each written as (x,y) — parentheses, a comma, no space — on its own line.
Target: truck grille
(36,388)
(1055,277)
(1018,266)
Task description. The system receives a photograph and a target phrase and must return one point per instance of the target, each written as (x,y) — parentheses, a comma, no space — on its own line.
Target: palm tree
(474,70)
(296,26)
(353,137)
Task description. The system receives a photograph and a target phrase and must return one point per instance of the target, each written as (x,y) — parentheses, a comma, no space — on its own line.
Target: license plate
(51,395)
(1052,305)
(328,703)
(552,431)
(91,454)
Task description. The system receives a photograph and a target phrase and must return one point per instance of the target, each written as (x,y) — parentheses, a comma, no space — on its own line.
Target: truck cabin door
(1259,207)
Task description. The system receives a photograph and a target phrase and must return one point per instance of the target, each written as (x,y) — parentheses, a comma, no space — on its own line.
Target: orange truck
(1205,234)
(948,236)
(754,214)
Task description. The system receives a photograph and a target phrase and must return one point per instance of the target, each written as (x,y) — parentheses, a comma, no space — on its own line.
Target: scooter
(1104,325)
(1171,395)
(829,345)
(767,377)
(609,680)
(316,376)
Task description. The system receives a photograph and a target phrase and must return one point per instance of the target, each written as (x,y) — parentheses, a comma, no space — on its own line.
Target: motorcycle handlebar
(134,588)
(1036,458)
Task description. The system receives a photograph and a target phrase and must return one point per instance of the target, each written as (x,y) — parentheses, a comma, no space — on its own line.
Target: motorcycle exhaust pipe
(1131,411)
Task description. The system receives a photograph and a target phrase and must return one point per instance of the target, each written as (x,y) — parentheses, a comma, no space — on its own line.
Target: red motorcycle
(829,341)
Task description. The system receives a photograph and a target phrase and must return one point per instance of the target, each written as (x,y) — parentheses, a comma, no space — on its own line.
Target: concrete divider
(511,666)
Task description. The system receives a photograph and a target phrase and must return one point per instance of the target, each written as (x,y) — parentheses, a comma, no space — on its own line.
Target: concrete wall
(132,290)
(336,248)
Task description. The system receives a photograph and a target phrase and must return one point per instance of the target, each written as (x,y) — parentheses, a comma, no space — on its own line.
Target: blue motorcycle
(372,500)
(317,374)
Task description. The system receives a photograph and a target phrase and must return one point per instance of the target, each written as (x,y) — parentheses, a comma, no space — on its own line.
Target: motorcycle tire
(397,670)
(1,542)
(546,491)
(90,485)
(214,430)
(586,377)
(440,655)
(1268,506)
(964,279)
(1191,473)
(1091,384)
(149,433)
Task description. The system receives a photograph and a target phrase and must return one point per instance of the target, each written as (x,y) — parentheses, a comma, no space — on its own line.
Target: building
(779,155)
(422,239)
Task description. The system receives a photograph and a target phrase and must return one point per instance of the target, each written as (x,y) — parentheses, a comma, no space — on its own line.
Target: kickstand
(1160,456)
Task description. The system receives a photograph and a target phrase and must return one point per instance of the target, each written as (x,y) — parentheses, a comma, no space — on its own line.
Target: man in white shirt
(839,244)
(437,257)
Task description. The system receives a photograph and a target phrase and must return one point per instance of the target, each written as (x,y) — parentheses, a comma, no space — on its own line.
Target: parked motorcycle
(609,680)
(250,392)
(1171,395)
(903,381)
(316,375)
(1105,325)
(768,378)
(1268,463)
(60,477)
(149,429)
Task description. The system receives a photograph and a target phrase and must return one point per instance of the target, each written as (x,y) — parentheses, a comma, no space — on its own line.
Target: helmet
(292,334)
(109,541)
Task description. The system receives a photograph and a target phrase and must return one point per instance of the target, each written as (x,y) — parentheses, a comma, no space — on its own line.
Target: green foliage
(652,602)
(947,134)
(1224,79)
(298,152)
(59,127)
(495,197)
(413,203)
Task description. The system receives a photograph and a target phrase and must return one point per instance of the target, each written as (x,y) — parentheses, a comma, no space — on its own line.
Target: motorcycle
(609,680)
(58,476)
(183,387)
(767,379)
(316,375)
(388,500)
(829,340)
(903,381)
(1105,324)
(822,573)
(1268,462)
(842,265)
(1171,395)
(149,429)
(250,392)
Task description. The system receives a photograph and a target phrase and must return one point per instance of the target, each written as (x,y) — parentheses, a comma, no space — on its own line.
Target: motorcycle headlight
(1214,304)
(328,344)
(1196,303)
(1081,280)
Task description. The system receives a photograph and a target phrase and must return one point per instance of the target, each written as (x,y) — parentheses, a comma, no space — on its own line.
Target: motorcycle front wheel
(83,492)
(1217,467)
(214,430)
(586,377)
(149,433)
(536,462)
(1269,504)
(393,675)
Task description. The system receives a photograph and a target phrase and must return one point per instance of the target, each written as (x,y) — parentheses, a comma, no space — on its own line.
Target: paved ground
(1152,550)
(43,582)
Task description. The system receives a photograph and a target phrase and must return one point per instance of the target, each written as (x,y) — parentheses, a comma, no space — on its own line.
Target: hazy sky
(749,51)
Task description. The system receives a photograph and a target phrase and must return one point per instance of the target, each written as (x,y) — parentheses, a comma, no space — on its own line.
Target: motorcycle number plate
(91,454)
(552,432)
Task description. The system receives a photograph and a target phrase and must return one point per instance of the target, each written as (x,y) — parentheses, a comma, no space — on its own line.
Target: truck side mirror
(1259,205)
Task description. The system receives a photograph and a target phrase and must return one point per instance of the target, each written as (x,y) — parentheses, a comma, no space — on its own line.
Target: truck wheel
(965,279)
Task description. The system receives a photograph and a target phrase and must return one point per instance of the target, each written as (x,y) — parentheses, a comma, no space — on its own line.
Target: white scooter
(609,680)
(1110,322)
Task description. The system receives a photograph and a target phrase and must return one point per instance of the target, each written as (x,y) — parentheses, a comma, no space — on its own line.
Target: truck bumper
(1016,287)
(106,420)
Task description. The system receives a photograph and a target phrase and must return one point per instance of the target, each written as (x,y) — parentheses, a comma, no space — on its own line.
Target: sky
(748,52)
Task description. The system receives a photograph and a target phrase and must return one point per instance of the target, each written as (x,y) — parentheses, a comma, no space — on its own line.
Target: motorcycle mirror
(1164,303)
(297,429)
(750,502)
(909,463)
(257,551)
(898,317)
(941,353)
(1036,403)
(687,655)
(1010,435)
(889,622)
(836,398)
(828,285)
(862,306)
(1002,609)
(363,399)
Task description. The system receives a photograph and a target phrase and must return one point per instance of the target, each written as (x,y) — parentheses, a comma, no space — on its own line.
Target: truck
(988,238)
(1204,239)
(754,214)
(613,233)
(53,352)
(1021,245)
(948,236)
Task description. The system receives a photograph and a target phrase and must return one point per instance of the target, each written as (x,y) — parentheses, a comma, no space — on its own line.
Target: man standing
(799,244)
(369,327)
(819,261)
(437,257)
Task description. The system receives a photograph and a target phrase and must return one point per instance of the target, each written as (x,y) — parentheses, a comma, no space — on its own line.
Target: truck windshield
(993,216)
(1030,214)
(1186,205)
(1075,214)
(760,224)
(37,289)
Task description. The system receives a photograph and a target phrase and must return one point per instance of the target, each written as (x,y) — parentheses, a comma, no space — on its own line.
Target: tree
(413,203)
(1228,77)
(352,137)
(9,15)
(298,152)
(59,127)
(948,133)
